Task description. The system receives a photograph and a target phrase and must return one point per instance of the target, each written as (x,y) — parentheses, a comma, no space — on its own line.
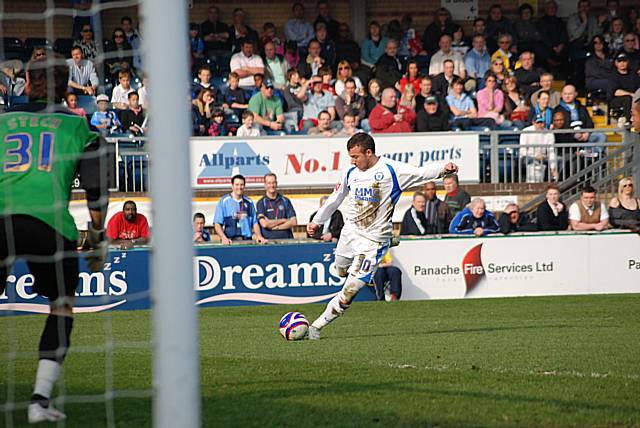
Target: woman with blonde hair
(624,209)
(345,72)
(407,104)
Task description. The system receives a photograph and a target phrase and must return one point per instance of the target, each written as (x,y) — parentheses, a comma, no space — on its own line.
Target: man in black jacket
(330,231)
(552,214)
(432,118)
(389,67)
(577,116)
(511,220)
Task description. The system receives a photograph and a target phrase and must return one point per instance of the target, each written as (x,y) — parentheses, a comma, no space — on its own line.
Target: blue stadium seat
(63,46)
(18,99)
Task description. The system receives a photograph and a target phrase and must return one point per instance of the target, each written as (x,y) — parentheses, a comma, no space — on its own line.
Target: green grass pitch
(534,362)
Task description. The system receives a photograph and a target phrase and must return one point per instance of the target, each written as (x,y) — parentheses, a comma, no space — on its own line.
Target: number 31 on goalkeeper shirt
(20,158)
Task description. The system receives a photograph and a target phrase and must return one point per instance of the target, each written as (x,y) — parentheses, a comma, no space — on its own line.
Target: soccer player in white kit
(374,185)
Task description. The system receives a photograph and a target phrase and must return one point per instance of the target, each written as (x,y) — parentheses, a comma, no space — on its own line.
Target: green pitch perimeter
(534,362)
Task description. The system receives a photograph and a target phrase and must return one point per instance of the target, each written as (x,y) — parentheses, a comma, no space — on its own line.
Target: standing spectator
(119,53)
(106,121)
(443,82)
(324,125)
(330,230)
(614,38)
(82,74)
(389,67)
(245,64)
(134,119)
(373,96)
(235,217)
(624,208)
(511,220)
(349,127)
(298,29)
(527,32)
(582,27)
(344,73)
(504,52)
(324,17)
(432,118)
(463,111)
(491,101)
(588,213)
(528,75)
(275,66)
(240,32)
(120,94)
(200,234)
(248,128)
(313,62)
(552,213)
(456,197)
(577,115)
(349,102)
(373,47)
(315,100)
(542,109)
(86,43)
(623,85)
(441,25)
(497,24)
(446,53)
(71,100)
(546,80)
(385,117)
(128,228)
(474,220)
(516,107)
(276,214)
(412,77)
(477,61)
(327,46)
(216,38)
(387,280)
(554,37)
(235,98)
(267,109)
(346,48)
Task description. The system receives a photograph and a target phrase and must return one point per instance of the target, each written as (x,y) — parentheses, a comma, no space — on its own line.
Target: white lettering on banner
(319,162)
(23,282)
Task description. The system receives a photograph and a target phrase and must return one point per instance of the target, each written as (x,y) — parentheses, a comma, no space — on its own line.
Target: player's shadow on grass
(417,332)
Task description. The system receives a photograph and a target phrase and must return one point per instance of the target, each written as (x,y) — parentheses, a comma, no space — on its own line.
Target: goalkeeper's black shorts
(52,259)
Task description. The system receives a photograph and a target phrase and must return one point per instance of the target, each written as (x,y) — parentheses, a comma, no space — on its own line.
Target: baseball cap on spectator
(431,100)
(622,57)
(268,83)
(539,118)
(102,97)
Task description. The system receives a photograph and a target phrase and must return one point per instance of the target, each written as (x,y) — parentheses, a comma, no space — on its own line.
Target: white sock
(46,377)
(331,312)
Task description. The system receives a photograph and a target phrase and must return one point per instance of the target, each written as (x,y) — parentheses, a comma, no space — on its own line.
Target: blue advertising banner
(224,276)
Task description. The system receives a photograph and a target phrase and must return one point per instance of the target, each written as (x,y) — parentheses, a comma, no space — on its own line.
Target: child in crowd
(249,128)
(119,98)
(291,53)
(290,92)
(235,98)
(72,104)
(195,41)
(327,79)
(105,120)
(218,128)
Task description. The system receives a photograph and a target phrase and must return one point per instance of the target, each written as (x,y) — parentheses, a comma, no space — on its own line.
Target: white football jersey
(373,195)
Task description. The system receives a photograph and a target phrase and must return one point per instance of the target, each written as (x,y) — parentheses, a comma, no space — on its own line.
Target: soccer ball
(293,326)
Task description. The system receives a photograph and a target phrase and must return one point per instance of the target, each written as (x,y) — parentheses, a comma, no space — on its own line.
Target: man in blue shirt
(199,232)
(275,211)
(477,61)
(235,217)
(475,219)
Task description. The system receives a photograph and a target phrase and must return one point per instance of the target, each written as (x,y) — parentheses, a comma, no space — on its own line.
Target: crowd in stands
(399,79)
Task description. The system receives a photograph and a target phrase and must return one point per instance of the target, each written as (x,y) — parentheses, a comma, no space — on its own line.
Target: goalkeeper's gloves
(99,248)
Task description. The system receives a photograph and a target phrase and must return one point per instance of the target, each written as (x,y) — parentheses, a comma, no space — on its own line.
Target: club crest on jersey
(378,176)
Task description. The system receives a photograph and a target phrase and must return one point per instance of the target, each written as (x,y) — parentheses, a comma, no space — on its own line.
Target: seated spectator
(463,112)
(324,126)
(477,61)
(344,74)
(203,82)
(267,109)
(349,126)
(389,67)
(120,95)
(632,52)
(527,33)
(527,75)
(624,209)
(623,85)
(559,122)
(269,34)
(412,77)
(577,115)
(386,117)
(425,91)
(432,118)
(582,26)
(456,197)
(387,280)
(205,102)
(511,220)
(248,128)
(499,70)
(504,52)
(128,228)
(311,65)
(290,93)
(239,31)
(598,67)
(235,217)
(546,80)
(315,100)
(542,108)
(217,124)
(534,156)
(588,213)
(106,121)
(614,38)
(87,43)
(215,34)
(552,214)
(235,98)
(372,98)
(119,53)
(428,215)
(436,66)
(350,102)
(292,54)
(474,220)
(373,47)
(200,234)
(276,214)
(330,231)
(82,74)
(72,104)
(298,29)
(442,24)
(459,42)
(407,104)
(491,101)
(196,44)
(327,46)
(346,48)
(326,75)
(496,25)
(443,81)
(555,40)
(275,66)
(516,103)
(245,64)
(134,119)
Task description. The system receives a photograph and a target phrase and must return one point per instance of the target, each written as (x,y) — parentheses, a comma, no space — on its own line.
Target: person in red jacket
(128,228)
(386,118)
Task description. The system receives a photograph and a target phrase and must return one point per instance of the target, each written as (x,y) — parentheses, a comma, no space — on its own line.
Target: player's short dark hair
(198,215)
(238,177)
(40,72)
(588,189)
(129,202)
(363,140)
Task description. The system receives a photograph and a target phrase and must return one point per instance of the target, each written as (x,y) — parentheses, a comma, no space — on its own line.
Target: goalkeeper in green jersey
(44,147)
